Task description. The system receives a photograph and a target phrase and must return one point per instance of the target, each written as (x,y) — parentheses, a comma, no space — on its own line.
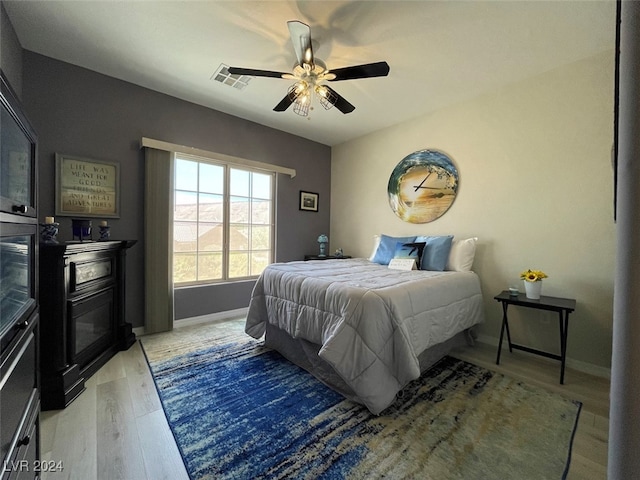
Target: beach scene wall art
(423,186)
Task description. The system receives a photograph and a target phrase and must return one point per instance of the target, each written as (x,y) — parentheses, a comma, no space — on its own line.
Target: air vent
(222,75)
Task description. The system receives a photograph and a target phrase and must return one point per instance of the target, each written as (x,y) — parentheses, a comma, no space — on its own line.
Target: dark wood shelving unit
(19,307)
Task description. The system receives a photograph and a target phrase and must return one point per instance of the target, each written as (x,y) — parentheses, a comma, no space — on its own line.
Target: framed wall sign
(87,188)
(423,186)
(309,201)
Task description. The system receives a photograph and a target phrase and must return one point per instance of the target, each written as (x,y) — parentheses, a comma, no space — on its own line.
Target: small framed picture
(308,201)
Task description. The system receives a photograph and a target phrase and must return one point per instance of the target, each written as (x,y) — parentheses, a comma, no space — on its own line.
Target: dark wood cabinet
(20,403)
(19,318)
(82,314)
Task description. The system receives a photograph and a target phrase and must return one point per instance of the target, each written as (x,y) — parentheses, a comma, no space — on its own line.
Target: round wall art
(423,186)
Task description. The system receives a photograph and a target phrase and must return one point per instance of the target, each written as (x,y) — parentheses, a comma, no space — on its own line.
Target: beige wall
(536,187)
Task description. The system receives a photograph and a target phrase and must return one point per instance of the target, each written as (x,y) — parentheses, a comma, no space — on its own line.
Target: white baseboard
(209,318)
(212,317)
(578,365)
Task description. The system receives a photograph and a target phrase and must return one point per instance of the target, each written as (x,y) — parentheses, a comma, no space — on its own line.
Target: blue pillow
(410,250)
(387,248)
(436,252)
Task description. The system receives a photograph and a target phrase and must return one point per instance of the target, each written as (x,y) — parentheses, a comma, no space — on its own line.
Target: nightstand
(327,257)
(564,306)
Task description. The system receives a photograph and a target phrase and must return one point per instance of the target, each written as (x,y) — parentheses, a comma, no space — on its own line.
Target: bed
(362,328)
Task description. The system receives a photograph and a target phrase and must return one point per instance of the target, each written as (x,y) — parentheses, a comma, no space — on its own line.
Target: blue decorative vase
(49,232)
(81,229)
(105,234)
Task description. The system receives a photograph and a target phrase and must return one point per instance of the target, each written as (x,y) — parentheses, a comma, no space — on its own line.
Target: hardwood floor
(117,429)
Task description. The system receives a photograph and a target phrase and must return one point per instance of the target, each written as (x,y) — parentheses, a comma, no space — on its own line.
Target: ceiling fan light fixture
(300,95)
(301,106)
(326,97)
(296,90)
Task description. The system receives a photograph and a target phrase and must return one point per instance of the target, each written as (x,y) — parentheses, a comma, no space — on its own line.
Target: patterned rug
(241,411)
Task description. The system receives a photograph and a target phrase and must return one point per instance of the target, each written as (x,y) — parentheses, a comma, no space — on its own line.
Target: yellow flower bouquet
(533,275)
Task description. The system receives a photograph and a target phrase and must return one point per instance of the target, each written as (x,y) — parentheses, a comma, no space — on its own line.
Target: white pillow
(376,244)
(462,254)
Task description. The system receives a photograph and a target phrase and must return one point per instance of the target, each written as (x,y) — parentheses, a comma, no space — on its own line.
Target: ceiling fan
(310,74)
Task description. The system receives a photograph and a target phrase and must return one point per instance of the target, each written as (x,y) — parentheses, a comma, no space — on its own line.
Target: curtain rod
(172,147)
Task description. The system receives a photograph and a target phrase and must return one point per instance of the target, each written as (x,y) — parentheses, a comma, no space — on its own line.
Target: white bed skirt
(305,355)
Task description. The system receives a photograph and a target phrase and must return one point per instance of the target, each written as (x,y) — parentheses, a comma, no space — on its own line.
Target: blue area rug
(240,411)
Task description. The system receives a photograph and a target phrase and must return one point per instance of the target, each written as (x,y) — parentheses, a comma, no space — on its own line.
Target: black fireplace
(92,327)
(82,314)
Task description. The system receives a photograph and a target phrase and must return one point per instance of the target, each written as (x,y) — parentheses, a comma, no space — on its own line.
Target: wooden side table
(564,306)
(327,257)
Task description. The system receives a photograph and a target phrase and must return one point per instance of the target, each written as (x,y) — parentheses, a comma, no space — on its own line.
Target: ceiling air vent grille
(222,75)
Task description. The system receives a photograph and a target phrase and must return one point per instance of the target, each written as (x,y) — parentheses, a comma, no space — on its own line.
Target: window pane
(184,267)
(210,237)
(186,175)
(238,264)
(239,210)
(210,266)
(260,237)
(211,178)
(239,182)
(261,212)
(207,215)
(186,206)
(185,236)
(210,208)
(238,237)
(261,186)
(259,261)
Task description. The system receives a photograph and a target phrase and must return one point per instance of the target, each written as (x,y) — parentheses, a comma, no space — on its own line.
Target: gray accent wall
(83,113)
(10,52)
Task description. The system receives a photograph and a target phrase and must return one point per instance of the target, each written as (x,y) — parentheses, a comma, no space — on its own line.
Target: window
(223,221)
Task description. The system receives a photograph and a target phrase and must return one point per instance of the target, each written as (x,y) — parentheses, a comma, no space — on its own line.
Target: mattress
(370,322)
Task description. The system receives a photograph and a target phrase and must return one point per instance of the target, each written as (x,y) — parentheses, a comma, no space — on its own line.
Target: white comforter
(371,321)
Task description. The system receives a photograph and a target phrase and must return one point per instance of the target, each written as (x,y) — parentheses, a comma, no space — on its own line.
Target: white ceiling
(440,52)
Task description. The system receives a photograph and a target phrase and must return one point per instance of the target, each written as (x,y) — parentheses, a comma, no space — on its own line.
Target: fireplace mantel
(83,322)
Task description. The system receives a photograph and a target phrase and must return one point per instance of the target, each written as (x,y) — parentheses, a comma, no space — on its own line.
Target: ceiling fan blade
(340,103)
(378,69)
(256,73)
(301,39)
(286,102)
